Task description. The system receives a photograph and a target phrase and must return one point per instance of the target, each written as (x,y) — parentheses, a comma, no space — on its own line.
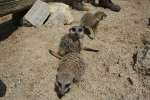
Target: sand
(29,70)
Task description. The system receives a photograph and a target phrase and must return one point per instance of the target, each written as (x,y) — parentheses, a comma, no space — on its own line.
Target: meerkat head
(100,15)
(76,32)
(63,83)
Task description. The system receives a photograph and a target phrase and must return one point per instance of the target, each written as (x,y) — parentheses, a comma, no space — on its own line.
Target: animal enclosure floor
(29,70)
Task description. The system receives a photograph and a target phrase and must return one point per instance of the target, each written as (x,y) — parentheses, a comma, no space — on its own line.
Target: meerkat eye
(80,29)
(59,84)
(67,85)
(73,29)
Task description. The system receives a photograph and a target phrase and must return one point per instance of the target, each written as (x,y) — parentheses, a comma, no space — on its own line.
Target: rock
(142,65)
(56,19)
(60,14)
(37,14)
(130,80)
(143,60)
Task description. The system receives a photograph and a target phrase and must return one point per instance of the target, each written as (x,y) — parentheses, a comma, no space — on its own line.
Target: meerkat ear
(104,16)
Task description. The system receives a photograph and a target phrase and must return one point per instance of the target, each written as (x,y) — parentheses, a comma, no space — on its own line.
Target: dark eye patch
(67,85)
(59,84)
(73,29)
(80,30)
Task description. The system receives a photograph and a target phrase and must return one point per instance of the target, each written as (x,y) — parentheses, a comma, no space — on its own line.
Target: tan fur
(71,43)
(90,21)
(70,70)
(72,63)
(67,45)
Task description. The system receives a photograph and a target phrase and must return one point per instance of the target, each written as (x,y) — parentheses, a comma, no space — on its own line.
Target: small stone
(130,80)
(142,66)
(143,59)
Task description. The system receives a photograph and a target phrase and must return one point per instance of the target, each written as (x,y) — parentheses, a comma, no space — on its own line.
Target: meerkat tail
(90,49)
(55,54)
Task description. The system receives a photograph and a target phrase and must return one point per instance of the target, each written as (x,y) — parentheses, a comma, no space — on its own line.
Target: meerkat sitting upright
(71,42)
(70,70)
(90,21)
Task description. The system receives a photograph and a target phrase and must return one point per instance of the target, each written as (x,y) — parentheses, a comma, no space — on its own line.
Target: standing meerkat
(90,21)
(71,42)
(70,70)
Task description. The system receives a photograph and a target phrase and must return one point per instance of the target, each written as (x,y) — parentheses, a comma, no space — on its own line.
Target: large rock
(60,14)
(37,14)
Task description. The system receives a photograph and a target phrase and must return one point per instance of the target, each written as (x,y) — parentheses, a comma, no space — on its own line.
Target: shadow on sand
(2,88)
(6,29)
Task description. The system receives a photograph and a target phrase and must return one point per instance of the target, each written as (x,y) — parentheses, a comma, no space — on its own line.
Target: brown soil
(29,70)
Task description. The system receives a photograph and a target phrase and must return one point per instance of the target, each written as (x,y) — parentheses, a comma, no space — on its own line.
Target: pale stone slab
(38,13)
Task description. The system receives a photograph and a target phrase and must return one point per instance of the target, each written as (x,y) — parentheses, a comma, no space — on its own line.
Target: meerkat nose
(61,94)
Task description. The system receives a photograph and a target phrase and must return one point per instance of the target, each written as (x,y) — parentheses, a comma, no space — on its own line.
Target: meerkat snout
(63,83)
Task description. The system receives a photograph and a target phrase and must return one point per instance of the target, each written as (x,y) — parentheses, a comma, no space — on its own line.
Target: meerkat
(71,42)
(70,70)
(89,22)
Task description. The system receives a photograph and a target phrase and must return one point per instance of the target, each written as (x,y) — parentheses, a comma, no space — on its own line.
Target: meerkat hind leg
(55,54)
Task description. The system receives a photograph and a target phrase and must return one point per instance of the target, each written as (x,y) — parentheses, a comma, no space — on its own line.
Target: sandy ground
(29,70)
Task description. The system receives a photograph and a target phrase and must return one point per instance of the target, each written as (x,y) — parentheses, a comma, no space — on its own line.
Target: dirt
(28,70)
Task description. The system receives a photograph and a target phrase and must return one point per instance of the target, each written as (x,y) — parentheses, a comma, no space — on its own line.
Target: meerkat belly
(68,45)
(73,63)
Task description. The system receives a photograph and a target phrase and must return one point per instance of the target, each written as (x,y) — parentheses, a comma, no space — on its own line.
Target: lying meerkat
(90,21)
(71,42)
(70,70)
